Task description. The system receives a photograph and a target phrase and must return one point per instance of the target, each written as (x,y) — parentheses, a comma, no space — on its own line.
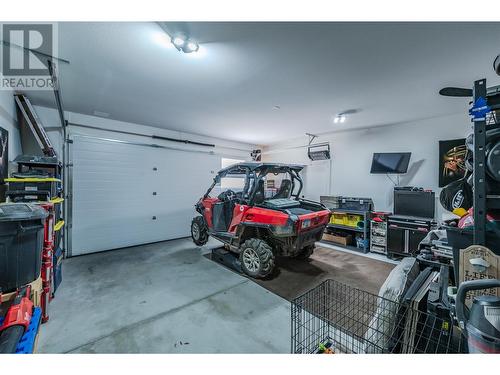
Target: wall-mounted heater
(318,151)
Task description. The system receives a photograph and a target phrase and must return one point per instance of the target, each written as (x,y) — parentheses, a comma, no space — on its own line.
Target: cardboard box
(36,292)
(342,240)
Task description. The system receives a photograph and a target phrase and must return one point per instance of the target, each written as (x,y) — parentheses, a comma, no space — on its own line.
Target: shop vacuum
(480,323)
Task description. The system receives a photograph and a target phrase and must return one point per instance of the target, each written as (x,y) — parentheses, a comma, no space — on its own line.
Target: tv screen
(390,162)
(414,203)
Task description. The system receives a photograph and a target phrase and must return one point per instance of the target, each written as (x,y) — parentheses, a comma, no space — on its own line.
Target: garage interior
(209,187)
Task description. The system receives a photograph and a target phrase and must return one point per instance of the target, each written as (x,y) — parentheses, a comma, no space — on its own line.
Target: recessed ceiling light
(178,41)
(191,46)
(341,117)
(276,107)
(182,43)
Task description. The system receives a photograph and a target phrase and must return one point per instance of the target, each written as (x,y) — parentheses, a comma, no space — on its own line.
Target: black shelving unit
(479,173)
(485,101)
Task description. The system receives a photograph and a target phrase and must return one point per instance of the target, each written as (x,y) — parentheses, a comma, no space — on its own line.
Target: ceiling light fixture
(178,41)
(192,46)
(182,43)
(341,117)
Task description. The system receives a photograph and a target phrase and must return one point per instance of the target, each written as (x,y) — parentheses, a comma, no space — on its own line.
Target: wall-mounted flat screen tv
(390,162)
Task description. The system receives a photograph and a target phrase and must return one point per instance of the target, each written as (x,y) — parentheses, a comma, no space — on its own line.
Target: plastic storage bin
(58,226)
(23,196)
(338,218)
(38,165)
(57,262)
(329,201)
(353,220)
(49,186)
(360,204)
(21,242)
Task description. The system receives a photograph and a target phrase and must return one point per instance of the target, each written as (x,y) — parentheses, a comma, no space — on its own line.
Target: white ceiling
(390,73)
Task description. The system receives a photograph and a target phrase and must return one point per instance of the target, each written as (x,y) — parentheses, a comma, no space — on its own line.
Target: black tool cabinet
(404,234)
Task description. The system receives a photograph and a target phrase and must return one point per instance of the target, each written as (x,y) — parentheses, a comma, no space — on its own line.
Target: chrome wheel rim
(195,231)
(251,260)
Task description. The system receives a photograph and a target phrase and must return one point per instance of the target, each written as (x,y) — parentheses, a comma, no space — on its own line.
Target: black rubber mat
(292,277)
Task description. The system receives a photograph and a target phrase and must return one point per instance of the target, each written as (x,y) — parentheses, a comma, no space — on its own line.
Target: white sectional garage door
(126,195)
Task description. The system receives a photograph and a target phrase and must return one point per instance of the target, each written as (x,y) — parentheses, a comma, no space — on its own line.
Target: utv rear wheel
(199,231)
(306,252)
(257,258)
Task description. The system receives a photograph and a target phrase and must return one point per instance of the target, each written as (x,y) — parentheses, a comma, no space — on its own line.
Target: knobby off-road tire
(199,231)
(257,258)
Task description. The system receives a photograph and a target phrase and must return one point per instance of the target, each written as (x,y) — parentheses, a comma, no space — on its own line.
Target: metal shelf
(346,227)
(365,230)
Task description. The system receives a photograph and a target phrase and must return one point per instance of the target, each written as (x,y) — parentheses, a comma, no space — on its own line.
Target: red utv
(258,214)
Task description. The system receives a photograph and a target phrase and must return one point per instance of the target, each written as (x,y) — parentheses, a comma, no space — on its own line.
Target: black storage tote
(21,243)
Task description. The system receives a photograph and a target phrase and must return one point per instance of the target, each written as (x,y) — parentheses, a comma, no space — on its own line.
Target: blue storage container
(57,263)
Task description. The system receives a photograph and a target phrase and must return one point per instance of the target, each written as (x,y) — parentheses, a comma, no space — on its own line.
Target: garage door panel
(113,185)
(112,237)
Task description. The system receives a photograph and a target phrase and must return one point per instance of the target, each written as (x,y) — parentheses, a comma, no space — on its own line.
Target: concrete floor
(162,298)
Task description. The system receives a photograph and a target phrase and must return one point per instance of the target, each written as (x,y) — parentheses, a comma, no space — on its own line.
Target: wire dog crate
(337,318)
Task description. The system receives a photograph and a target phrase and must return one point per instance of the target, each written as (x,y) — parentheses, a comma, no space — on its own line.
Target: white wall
(8,121)
(50,119)
(352,153)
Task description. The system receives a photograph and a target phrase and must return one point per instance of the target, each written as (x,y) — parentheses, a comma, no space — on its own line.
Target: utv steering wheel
(228,195)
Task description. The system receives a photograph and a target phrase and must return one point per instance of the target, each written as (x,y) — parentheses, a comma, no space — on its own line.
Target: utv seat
(259,195)
(285,190)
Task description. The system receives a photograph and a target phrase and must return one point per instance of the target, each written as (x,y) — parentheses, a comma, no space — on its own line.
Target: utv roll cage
(254,174)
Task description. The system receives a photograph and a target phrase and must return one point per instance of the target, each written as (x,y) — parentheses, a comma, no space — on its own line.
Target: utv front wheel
(199,231)
(306,252)
(257,258)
